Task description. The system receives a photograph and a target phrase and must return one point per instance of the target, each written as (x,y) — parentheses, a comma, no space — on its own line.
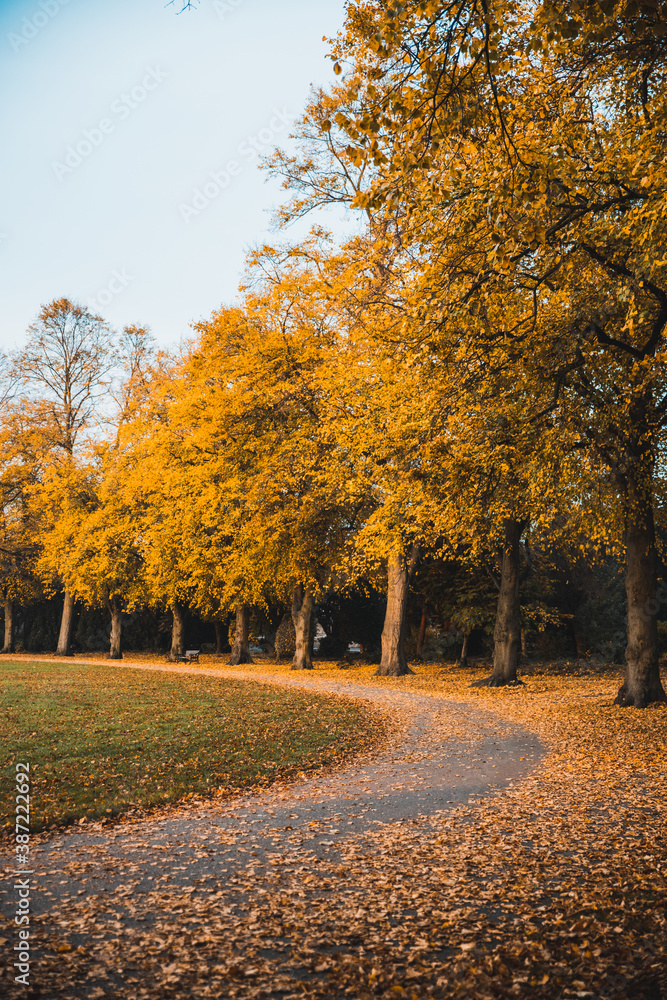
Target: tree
(88,540)
(382,268)
(230,467)
(87,534)
(259,375)
(529,151)
(393,491)
(151,486)
(63,371)
(241,646)
(19,470)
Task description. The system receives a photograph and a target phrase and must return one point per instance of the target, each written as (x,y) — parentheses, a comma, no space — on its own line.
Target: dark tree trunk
(507,632)
(115,650)
(9,626)
(66,623)
(302,613)
(642,684)
(422,634)
(177,632)
(241,647)
(463,658)
(219,638)
(399,569)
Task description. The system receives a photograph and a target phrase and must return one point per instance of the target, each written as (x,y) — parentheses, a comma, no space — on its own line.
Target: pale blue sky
(114,114)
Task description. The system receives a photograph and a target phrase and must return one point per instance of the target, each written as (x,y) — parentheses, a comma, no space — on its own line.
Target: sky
(131,141)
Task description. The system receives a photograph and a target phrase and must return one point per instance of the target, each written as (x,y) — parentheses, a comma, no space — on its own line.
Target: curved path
(443,753)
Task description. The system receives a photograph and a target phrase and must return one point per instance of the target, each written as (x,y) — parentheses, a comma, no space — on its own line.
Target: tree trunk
(642,683)
(507,632)
(302,613)
(399,571)
(219,638)
(9,626)
(177,632)
(422,634)
(241,647)
(115,651)
(463,658)
(66,623)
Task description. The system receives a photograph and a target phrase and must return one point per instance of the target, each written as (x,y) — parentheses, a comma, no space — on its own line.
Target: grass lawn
(102,740)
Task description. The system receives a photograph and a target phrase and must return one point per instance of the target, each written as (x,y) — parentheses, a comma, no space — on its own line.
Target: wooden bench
(190,656)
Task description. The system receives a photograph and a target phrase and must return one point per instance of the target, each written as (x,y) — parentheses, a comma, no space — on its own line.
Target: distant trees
(290,453)
(63,371)
(242,441)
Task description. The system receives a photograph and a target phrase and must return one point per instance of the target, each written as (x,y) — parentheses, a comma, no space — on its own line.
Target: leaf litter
(551,885)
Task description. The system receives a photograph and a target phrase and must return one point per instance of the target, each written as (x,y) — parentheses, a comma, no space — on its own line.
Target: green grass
(103,740)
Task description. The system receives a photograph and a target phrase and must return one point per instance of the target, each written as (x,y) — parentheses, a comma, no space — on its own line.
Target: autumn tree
(152,485)
(231,472)
(267,396)
(529,153)
(424,380)
(85,532)
(18,549)
(371,423)
(335,167)
(379,425)
(90,540)
(62,373)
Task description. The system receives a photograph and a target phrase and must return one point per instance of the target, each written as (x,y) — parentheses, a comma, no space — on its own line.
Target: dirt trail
(101,887)
(444,753)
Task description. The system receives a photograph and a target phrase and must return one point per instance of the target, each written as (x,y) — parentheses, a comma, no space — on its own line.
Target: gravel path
(443,753)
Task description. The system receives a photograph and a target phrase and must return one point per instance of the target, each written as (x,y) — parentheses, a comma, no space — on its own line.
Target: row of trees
(478,374)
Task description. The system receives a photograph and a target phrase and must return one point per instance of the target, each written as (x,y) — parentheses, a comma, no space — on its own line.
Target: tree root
(654,696)
(393,672)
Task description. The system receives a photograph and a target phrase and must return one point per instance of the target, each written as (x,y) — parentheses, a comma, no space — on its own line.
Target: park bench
(190,656)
